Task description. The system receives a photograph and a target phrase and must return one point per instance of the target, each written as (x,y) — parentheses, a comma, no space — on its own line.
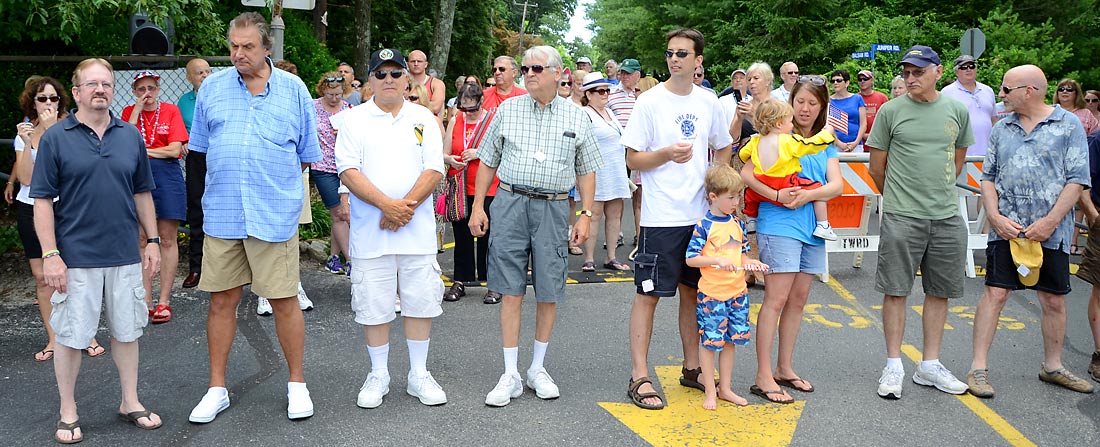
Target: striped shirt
(621,102)
(545,148)
(255,145)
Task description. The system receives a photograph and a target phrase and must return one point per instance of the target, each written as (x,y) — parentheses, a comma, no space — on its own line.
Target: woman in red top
(162,131)
(460,152)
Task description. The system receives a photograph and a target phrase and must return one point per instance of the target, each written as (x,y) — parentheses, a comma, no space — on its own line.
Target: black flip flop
(766,395)
(71,428)
(789,383)
(133,416)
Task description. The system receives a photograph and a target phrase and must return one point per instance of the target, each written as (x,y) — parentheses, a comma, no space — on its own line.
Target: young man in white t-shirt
(390,155)
(670,134)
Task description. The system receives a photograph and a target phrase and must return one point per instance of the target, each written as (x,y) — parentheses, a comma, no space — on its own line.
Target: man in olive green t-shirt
(917,151)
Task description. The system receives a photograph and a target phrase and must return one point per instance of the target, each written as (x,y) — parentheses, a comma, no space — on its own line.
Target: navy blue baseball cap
(386,55)
(920,56)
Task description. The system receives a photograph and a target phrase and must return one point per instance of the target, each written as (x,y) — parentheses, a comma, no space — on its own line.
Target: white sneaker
(215,401)
(889,384)
(510,386)
(543,384)
(825,232)
(299,405)
(424,387)
(397,305)
(941,378)
(303,301)
(374,388)
(263,308)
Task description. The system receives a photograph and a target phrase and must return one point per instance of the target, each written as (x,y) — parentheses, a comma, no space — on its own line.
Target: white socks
(380,358)
(511,360)
(895,363)
(928,364)
(418,356)
(538,356)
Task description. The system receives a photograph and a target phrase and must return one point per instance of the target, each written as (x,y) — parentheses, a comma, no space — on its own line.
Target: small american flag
(838,119)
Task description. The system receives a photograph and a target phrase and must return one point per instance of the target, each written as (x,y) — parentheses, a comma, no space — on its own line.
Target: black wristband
(153,240)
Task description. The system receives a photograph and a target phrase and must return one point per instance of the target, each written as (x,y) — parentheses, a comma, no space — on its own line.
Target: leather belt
(526,192)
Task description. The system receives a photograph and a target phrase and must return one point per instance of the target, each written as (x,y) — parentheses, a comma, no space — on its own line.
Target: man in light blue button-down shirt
(257,127)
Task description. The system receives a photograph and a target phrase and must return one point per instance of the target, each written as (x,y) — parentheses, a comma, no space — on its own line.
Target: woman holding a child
(787,244)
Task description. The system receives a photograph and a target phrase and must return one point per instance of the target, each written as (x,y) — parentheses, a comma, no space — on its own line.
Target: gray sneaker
(940,377)
(978,381)
(1062,377)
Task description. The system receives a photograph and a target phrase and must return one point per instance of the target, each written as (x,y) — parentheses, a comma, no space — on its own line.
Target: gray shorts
(938,247)
(524,228)
(75,317)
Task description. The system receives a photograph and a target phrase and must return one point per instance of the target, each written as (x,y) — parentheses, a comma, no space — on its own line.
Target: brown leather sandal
(637,397)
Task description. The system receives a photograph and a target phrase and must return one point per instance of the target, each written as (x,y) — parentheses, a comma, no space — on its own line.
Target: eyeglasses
(815,80)
(970,66)
(792,73)
(381,74)
(837,80)
(536,69)
(698,75)
(863,78)
(1008,90)
(95,84)
(679,53)
(905,74)
(1092,100)
(1066,89)
(600,91)
(414,98)
(336,79)
(566,83)
(44,99)
(148,88)
(334,95)
(501,69)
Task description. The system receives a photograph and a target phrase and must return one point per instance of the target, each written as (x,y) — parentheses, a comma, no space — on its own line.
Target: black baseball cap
(387,55)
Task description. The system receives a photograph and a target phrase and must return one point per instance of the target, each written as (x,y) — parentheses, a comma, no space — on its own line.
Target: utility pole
(277,28)
(523,21)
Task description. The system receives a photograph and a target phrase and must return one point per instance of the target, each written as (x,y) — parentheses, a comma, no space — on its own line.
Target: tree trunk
(441,47)
(362,44)
(320,29)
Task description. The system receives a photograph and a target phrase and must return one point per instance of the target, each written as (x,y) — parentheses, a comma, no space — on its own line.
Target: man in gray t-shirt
(918,148)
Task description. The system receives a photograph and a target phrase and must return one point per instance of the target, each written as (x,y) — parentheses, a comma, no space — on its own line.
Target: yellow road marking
(990,417)
(684,422)
(919,309)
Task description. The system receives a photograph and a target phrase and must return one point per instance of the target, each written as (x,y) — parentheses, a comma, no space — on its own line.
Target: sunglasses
(1066,89)
(1092,99)
(698,75)
(970,66)
(566,83)
(500,69)
(679,53)
(44,99)
(472,108)
(600,91)
(905,74)
(414,98)
(381,74)
(148,88)
(792,73)
(336,79)
(536,69)
(815,80)
(837,80)
(356,84)
(1007,90)
(863,78)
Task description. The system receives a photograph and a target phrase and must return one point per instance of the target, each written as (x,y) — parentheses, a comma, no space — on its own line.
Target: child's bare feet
(729,396)
(711,401)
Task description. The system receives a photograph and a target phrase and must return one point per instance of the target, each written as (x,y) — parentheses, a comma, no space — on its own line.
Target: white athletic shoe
(825,232)
(543,384)
(303,301)
(263,308)
(510,386)
(424,387)
(889,384)
(299,405)
(939,377)
(215,401)
(374,388)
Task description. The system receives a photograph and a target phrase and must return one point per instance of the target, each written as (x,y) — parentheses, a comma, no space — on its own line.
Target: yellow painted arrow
(684,422)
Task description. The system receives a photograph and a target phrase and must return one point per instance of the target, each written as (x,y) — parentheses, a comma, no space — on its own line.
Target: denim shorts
(327,185)
(789,255)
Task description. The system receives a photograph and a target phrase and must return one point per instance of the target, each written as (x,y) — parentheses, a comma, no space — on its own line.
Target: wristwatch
(153,240)
(586,213)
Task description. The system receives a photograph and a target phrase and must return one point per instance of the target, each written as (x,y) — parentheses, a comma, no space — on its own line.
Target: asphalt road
(840,350)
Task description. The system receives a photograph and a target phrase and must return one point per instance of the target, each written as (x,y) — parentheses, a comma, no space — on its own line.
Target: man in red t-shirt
(873,99)
(504,73)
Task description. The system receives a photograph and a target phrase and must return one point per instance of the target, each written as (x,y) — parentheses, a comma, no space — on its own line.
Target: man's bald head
(1027,87)
(1029,75)
(418,62)
(197,71)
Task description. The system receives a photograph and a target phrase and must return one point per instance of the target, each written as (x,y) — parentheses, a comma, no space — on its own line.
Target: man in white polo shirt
(390,155)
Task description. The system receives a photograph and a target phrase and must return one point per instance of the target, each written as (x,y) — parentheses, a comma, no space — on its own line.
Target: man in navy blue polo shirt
(96,164)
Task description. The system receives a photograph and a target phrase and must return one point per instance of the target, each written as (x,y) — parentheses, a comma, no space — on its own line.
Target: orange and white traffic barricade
(850,213)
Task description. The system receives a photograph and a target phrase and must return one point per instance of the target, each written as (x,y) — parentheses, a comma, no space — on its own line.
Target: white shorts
(376,283)
(75,317)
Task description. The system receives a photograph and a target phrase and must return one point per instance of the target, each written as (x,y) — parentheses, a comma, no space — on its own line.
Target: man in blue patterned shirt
(1035,168)
(257,127)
